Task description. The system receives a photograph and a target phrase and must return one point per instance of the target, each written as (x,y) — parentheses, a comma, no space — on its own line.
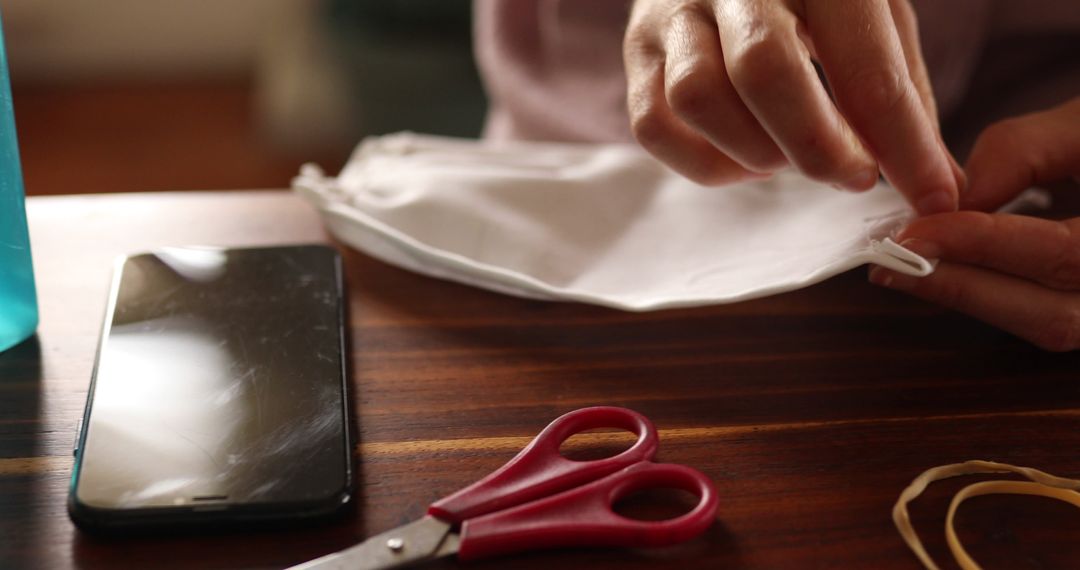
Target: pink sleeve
(553,69)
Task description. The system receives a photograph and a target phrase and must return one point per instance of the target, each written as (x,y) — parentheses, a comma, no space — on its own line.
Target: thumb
(1015,154)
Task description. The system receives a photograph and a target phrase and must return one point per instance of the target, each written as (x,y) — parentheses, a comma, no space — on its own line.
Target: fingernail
(890,279)
(862,181)
(881,276)
(958,173)
(926,249)
(936,203)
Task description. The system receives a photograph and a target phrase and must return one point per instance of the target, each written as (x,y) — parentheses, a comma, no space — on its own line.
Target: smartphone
(219,392)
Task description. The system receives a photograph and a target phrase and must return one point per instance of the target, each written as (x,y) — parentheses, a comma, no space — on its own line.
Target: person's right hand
(722,90)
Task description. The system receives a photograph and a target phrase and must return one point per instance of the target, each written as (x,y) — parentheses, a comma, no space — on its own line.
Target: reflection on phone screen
(219,379)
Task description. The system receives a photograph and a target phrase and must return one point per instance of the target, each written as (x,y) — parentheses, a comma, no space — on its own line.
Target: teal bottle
(18,300)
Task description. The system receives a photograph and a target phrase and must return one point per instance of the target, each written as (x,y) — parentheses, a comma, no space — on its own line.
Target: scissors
(540,499)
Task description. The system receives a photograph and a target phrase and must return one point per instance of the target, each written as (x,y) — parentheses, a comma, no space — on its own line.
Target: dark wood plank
(811,410)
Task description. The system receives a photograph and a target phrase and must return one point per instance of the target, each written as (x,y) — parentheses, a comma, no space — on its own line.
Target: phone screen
(219,383)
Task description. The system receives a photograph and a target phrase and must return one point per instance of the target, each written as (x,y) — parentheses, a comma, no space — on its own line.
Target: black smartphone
(219,392)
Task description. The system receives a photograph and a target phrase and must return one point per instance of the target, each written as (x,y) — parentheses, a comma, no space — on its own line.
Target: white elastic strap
(898,258)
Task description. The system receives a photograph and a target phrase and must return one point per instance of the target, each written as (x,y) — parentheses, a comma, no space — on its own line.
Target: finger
(1044,251)
(1015,154)
(771,71)
(907,29)
(865,65)
(1050,319)
(698,91)
(659,131)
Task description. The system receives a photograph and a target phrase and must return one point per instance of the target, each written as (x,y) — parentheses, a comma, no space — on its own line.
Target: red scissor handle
(584,516)
(539,471)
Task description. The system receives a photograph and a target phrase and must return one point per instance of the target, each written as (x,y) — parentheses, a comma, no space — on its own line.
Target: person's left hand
(1019,273)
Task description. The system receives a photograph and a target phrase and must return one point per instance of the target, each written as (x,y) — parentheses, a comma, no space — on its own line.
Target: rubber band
(1040,484)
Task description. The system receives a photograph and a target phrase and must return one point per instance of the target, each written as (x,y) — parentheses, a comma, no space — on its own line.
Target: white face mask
(602,224)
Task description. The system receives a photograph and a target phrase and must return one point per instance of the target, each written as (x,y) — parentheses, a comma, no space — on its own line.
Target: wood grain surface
(811,411)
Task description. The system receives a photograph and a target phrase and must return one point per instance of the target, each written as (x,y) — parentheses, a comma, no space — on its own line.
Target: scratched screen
(219,381)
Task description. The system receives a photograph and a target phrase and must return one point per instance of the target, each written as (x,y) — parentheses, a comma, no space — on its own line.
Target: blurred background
(150,95)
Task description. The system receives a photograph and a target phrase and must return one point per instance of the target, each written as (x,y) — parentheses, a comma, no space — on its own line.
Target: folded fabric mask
(602,224)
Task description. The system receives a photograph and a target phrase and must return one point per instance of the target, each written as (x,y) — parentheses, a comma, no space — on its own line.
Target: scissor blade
(418,541)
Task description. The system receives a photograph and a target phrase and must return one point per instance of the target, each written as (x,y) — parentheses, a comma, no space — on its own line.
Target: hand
(1019,273)
(723,90)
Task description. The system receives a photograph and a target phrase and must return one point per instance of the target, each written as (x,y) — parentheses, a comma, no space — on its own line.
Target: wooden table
(810,410)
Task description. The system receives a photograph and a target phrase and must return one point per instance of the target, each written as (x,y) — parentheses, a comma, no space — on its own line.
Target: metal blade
(418,541)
